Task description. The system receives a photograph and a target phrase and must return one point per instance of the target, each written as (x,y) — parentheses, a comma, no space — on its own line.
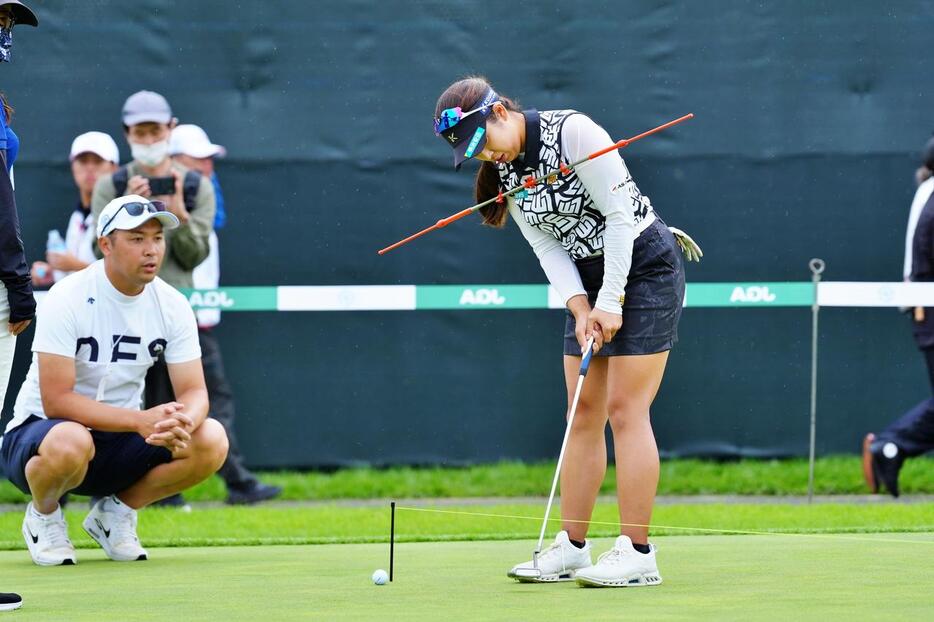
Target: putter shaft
(585,364)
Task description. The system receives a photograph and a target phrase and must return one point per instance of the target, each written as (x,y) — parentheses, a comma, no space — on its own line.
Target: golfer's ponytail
(485,187)
(466,93)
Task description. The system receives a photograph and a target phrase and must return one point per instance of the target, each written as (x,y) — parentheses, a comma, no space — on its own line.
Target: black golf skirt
(654,296)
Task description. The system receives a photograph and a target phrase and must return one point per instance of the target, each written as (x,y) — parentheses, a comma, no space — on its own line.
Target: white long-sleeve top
(597,209)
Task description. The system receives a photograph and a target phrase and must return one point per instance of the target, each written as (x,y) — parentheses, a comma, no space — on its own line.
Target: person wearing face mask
(17,305)
(148,125)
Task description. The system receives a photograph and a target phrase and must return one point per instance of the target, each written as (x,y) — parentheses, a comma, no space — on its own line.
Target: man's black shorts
(120,458)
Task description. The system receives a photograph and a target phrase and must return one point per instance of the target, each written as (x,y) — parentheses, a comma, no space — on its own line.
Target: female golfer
(618,269)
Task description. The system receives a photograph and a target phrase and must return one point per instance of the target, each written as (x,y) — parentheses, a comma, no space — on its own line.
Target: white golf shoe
(558,562)
(621,566)
(47,538)
(112,524)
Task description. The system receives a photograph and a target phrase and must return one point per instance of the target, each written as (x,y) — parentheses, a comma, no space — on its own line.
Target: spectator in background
(924,177)
(147,124)
(17,306)
(913,433)
(191,147)
(92,154)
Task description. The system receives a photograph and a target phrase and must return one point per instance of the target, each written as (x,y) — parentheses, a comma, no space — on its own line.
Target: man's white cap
(114,216)
(192,141)
(98,143)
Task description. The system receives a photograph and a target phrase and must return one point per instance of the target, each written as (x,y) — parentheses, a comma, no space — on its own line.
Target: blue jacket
(14,272)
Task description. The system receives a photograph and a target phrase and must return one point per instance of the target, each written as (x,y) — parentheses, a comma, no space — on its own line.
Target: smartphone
(159,186)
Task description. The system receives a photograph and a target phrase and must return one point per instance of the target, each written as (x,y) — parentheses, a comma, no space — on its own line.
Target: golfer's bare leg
(632,383)
(204,455)
(585,457)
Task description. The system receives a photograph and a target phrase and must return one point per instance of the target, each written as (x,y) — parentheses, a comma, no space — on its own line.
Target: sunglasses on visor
(452,116)
(135,209)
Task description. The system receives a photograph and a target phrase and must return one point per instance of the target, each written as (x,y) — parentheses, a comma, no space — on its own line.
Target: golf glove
(692,252)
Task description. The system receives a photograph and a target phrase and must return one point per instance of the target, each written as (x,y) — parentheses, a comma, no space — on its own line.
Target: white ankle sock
(113,504)
(38,514)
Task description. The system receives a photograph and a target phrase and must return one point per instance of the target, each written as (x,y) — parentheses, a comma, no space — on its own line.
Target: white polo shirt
(113,338)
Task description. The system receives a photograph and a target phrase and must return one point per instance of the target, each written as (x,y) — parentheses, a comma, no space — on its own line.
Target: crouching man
(77,424)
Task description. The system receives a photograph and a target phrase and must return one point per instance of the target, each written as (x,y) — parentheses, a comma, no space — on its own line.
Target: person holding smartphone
(188,195)
(147,125)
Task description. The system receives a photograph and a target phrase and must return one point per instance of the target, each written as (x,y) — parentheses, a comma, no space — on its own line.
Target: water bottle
(56,244)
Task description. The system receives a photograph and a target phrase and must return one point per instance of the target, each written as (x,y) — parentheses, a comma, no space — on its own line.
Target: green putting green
(333,524)
(716,577)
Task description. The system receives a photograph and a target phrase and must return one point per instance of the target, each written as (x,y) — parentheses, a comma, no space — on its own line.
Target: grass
(834,475)
(718,577)
(314,561)
(265,525)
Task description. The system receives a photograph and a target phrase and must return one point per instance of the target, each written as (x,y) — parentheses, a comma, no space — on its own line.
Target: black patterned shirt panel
(561,205)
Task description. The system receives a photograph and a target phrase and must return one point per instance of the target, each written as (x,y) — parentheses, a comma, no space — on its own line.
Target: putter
(585,364)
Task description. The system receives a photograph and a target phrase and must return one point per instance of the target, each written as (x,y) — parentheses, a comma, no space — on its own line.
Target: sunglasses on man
(135,209)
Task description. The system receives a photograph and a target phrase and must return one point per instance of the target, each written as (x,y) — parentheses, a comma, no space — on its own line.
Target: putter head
(529,573)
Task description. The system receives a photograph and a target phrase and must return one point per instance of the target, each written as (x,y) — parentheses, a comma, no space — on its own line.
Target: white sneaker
(621,566)
(47,538)
(558,562)
(112,524)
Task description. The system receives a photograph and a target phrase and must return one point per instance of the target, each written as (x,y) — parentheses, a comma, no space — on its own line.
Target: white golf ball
(380,577)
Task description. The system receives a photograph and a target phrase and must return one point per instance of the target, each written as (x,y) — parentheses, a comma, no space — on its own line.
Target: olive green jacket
(186,246)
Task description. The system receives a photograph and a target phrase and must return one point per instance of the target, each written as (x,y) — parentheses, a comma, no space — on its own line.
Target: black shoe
(175,501)
(887,461)
(251,493)
(9,602)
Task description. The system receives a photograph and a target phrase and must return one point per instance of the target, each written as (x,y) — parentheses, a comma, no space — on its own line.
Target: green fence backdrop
(809,117)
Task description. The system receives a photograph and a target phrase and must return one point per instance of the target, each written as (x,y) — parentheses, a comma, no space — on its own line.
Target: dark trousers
(159,391)
(913,432)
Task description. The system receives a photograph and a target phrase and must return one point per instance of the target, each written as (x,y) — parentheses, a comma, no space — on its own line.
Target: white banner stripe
(347,298)
(851,294)
(872,294)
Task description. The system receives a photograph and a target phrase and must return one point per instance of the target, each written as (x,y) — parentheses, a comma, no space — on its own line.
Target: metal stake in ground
(392,536)
(817,268)
(585,364)
(531,182)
